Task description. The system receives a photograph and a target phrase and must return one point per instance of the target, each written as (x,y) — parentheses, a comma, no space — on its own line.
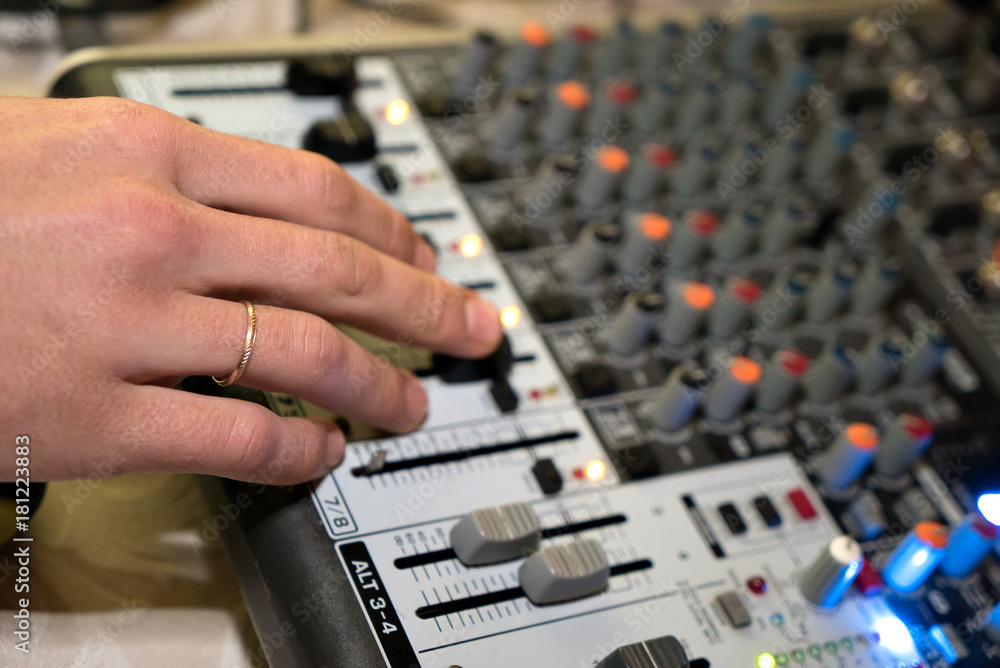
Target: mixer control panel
(744,413)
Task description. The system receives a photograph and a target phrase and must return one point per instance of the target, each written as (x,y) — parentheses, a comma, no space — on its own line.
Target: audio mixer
(744,413)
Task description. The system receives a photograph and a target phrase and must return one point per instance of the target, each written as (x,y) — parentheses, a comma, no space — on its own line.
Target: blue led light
(894,636)
(989,506)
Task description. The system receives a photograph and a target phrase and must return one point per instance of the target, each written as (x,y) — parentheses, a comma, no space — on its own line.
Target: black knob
(332,74)
(345,138)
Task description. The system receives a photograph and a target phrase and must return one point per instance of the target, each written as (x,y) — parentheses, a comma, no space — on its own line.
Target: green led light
(777,620)
(831,647)
(847,642)
(815,651)
(781,659)
(765,661)
(799,656)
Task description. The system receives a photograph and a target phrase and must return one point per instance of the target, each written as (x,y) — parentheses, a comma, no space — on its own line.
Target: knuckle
(253,436)
(143,128)
(353,267)
(440,295)
(320,348)
(402,238)
(146,217)
(327,183)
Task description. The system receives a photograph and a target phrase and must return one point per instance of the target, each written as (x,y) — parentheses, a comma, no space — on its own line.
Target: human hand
(128,237)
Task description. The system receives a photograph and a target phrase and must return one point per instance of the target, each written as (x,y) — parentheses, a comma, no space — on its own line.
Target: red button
(803,506)
(757,585)
(869,582)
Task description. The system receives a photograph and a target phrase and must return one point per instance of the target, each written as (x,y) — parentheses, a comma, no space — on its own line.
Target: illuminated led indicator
(766,661)
(510,316)
(397,111)
(777,620)
(471,245)
(989,506)
(596,470)
(781,659)
(894,636)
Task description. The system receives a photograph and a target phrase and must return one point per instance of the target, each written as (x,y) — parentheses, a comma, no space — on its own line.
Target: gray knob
(664,652)
(777,171)
(727,395)
(903,443)
(513,120)
(672,406)
(780,378)
(566,101)
(590,252)
(791,84)
(658,49)
(630,328)
(780,306)
(738,232)
(732,307)
(846,460)
(689,176)
(830,292)
(876,283)
(696,108)
(742,46)
(690,240)
(920,367)
(601,177)
(783,227)
(878,364)
(524,56)
(738,95)
(609,111)
(827,579)
(642,251)
(565,572)
(648,173)
(830,376)
(652,109)
(550,185)
(828,149)
(688,305)
(615,51)
(474,62)
(500,533)
(863,224)
(568,53)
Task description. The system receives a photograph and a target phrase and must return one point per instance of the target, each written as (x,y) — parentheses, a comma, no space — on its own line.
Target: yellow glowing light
(397,111)
(471,245)
(596,469)
(765,661)
(510,316)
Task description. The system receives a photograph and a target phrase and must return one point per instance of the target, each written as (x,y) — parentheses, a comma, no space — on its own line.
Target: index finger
(260,179)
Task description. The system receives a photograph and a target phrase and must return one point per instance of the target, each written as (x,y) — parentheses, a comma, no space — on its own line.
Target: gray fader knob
(664,652)
(565,572)
(500,533)
(826,580)
(584,261)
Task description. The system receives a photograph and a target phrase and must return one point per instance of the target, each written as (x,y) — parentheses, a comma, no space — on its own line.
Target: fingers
(261,179)
(228,437)
(345,280)
(295,353)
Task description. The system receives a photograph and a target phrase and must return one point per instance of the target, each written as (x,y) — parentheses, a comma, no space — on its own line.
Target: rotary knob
(827,579)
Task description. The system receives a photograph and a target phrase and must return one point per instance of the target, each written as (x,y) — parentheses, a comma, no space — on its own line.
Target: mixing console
(744,413)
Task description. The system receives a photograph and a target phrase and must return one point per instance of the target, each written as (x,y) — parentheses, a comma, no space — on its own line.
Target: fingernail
(482,321)
(335,444)
(424,257)
(416,402)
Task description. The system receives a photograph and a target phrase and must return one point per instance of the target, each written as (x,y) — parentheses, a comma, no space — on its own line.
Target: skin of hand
(128,237)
